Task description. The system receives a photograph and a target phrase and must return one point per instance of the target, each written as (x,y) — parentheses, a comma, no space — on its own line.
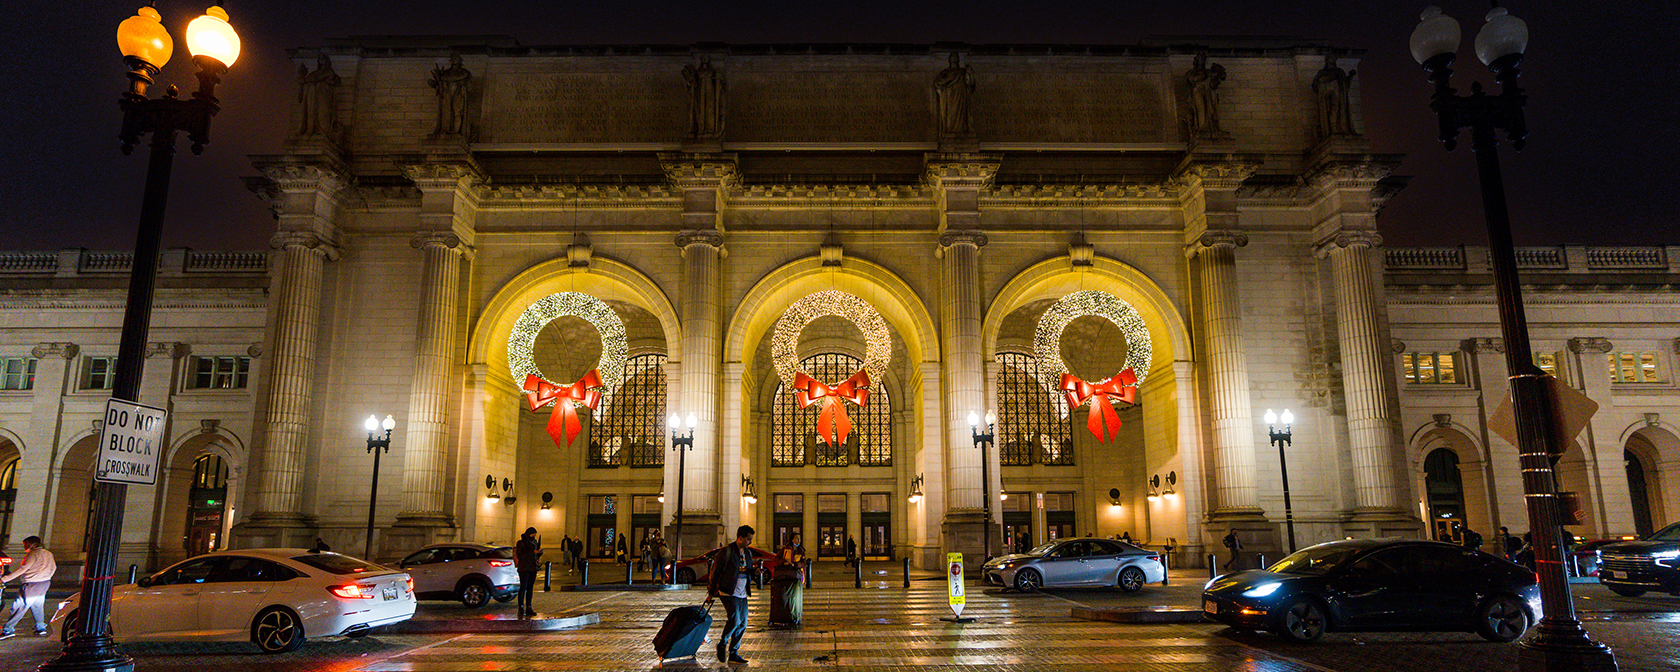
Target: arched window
(8,500)
(793,430)
(206,504)
(631,428)
(1032,420)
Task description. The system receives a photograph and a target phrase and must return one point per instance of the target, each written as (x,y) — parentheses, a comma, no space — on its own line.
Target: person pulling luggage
(730,583)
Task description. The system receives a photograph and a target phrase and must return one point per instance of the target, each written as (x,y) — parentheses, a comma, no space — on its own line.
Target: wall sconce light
(548,498)
(661,498)
(1172,480)
(507,492)
(1114,497)
(749,492)
(1154,487)
(1003,496)
(490,483)
(916,489)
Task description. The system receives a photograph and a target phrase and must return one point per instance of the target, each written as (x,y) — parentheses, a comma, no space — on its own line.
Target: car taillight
(352,592)
(410,584)
(1155,558)
(500,563)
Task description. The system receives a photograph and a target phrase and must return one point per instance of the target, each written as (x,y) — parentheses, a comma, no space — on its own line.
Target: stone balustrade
(1565,259)
(176,261)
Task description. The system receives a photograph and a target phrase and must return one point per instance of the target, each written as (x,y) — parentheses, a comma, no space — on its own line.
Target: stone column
(425,457)
(730,470)
(1231,411)
(1366,383)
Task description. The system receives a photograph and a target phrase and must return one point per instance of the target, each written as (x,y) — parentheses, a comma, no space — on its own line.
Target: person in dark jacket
(1235,544)
(623,550)
(525,555)
(851,552)
(730,582)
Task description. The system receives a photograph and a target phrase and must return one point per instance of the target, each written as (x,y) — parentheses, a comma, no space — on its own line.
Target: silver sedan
(1076,563)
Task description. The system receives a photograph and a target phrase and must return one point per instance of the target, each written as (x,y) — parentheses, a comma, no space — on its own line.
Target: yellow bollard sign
(954,582)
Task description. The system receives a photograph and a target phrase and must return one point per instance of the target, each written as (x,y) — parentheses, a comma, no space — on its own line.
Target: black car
(1379,584)
(1630,568)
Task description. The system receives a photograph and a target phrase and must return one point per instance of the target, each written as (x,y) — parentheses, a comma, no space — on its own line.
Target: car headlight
(1666,555)
(1262,590)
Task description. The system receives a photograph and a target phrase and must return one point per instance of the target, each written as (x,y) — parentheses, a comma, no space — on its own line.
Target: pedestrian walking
(1232,542)
(787,584)
(1507,544)
(36,573)
(851,552)
(566,552)
(646,548)
(623,555)
(525,555)
(731,571)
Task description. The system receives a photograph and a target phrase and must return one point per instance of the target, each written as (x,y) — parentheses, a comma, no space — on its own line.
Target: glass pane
(1647,367)
(875,502)
(602,504)
(1408,362)
(632,425)
(835,503)
(790,503)
(793,430)
(1446,364)
(1426,367)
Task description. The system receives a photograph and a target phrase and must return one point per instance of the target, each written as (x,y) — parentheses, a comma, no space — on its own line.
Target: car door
(230,599)
(1379,591)
(1102,561)
(1447,583)
(419,567)
(166,606)
(1064,566)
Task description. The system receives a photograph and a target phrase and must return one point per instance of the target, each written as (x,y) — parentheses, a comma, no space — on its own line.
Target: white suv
(471,573)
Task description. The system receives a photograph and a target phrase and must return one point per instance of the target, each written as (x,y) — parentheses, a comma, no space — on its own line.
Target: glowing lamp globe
(210,35)
(693,420)
(389,423)
(1271,417)
(673,422)
(973,419)
(143,37)
(1435,34)
(1288,418)
(1503,35)
(372,423)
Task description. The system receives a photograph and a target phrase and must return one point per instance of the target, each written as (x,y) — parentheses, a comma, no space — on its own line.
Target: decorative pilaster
(1366,385)
(426,428)
(1230,407)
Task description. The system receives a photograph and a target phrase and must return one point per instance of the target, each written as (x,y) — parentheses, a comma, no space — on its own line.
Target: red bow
(564,421)
(1104,421)
(832,424)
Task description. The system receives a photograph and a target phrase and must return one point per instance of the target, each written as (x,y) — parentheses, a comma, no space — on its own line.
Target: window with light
(632,429)
(1430,368)
(1033,421)
(793,430)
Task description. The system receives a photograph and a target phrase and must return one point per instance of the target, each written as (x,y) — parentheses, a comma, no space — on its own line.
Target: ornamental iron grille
(1032,421)
(632,426)
(793,430)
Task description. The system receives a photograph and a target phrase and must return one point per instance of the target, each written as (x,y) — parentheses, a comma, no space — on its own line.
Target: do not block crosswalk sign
(131,443)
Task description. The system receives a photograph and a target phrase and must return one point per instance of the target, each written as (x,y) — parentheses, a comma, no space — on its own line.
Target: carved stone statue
(705,99)
(953,87)
(1331,85)
(452,84)
(1204,81)
(315,91)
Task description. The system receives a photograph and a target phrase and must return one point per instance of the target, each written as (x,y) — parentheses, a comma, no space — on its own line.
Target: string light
(784,343)
(1047,341)
(614,346)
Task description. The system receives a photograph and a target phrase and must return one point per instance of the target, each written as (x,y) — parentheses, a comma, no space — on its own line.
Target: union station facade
(829,256)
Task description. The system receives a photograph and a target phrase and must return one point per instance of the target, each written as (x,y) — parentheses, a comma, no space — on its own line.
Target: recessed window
(1033,423)
(793,430)
(1547,362)
(221,373)
(1633,367)
(1430,368)
(17,373)
(99,373)
(633,424)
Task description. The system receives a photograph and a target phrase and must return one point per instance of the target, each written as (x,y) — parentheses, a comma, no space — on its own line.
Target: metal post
(548,575)
(374,446)
(629,571)
(1213,566)
(857,571)
(133,574)
(1260,560)
(1281,440)
(681,444)
(1166,570)
(585,570)
(807,573)
(906,571)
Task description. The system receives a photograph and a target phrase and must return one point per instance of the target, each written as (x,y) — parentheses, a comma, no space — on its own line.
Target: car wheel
(1301,621)
(1131,579)
(685,575)
(277,630)
(1625,592)
(1501,619)
(506,598)
(474,594)
(1028,580)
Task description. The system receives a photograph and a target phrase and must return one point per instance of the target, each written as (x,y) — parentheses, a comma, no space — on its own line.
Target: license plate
(1617,575)
(390,592)
(1211,607)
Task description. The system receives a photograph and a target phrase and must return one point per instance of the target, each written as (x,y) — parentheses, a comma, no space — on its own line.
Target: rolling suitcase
(684,631)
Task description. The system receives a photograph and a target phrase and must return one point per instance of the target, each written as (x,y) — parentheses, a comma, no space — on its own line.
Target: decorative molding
(166,349)
(444,239)
(98,426)
(832,251)
(1080,251)
(62,350)
(688,237)
(1483,346)
(1677,346)
(208,426)
(1396,345)
(1078,195)
(1222,238)
(308,240)
(580,252)
(1653,419)
(255,351)
(1442,419)
(1227,173)
(961,169)
(972,237)
(1359,238)
(700,171)
(287,176)
(1350,174)
(444,175)
(590,195)
(1587,344)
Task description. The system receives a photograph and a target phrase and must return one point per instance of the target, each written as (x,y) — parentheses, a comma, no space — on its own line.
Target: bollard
(906,571)
(583,569)
(133,574)
(1165,570)
(857,573)
(1213,567)
(1261,559)
(807,573)
(760,574)
(630,572)
(548,574)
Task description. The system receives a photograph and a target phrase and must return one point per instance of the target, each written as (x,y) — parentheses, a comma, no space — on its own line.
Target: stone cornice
(326,177)
(1350,174)
(711,237)
(1078,195)
(61,350)
(1597,344)
(845,195)
(452,174)
(1216,172)
(1483,346)
(190,301)
(961,170)
(700,171)
(963,237)
(308,240)
(582,195)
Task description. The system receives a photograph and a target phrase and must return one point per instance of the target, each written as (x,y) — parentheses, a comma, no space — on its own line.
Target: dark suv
(1630,568)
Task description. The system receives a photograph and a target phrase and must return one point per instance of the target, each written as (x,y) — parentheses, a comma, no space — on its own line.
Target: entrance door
(1058,515)
(603,526)
(1638,491)
(831,539)
(1017,531)
(876,542)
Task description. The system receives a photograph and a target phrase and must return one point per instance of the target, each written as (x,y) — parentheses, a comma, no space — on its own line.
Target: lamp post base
(1563,646)
(109,660)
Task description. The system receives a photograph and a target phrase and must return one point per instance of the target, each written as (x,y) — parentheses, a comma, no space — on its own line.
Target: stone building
(734,233)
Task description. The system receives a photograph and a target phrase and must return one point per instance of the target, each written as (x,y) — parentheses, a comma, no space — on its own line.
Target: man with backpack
(1232,542)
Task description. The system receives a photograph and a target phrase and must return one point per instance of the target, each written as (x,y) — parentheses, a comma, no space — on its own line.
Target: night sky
(1599,168)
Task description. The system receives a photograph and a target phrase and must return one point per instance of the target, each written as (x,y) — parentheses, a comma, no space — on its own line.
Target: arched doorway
(206,504)
(8,500)
(73,504)
(1445,491)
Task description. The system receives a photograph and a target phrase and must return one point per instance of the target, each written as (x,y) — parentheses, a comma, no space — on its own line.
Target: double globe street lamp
(982,440)
(681,443)
(146,47)
(1559,642)
(377,444)
(1281,439)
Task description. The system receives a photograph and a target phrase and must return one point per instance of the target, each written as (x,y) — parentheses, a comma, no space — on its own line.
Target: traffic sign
(131,443)
(954,582)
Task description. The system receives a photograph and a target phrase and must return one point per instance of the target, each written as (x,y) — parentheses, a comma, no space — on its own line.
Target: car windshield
(1315,560)
(1670,533)
(1044,548)
(337,564)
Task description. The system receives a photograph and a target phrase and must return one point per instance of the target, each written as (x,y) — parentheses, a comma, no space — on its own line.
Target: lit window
(633,424)
(1430,368)
(793,430)
(1633,367)
(1032,420)
(17,373)
(100,373)
(221,373)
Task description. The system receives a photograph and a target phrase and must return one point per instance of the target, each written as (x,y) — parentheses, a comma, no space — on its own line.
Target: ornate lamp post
(1559,642)
(146,47)
(376,444)
(981,441)
(681,443)
(1281,439)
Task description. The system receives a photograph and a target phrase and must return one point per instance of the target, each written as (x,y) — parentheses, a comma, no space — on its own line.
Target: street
(883,626)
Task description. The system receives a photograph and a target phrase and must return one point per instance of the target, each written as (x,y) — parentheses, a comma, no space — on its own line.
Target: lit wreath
(1104,422)
(590,390)
(833,425)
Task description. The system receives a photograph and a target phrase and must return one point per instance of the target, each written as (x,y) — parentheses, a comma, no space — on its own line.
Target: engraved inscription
(829,107)
(585,107)
(1069,107)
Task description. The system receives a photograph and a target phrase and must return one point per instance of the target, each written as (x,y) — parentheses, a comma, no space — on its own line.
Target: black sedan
(1379,584)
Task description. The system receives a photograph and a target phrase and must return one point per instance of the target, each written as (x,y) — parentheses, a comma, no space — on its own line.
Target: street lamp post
(1281,439)
(146,47)
(1559,642)
(981,441)
(681,443)
(376,445)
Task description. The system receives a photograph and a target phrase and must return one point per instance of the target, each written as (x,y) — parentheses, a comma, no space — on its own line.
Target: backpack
(1472,539)
(1230,541)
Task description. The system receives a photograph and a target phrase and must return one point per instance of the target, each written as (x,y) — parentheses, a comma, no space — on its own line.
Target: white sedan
(272,597)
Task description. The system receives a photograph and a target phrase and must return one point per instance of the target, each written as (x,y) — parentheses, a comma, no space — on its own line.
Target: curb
(1140,615)
(543,623)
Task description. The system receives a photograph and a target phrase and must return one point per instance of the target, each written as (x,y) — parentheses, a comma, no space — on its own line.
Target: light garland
(1047,341)
(784,343)
(614,346)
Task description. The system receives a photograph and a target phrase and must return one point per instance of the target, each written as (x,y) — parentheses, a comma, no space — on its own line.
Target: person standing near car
(36,571)
(1232,542)
(730,582)
(525,555)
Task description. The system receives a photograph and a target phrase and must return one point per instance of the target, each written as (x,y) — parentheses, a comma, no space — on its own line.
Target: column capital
(1352,174)
(307,240)
(452,174)
(289,174)
(700,171)
(1349,238)
(958,170)
(1227,238)
(973,238)
(1587,344)
(710,237)
(1483,346)
(61,350)
(166,349)
(448,240)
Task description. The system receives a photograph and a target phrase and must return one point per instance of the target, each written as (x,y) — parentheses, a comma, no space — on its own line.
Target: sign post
(131,443)
(954,587)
